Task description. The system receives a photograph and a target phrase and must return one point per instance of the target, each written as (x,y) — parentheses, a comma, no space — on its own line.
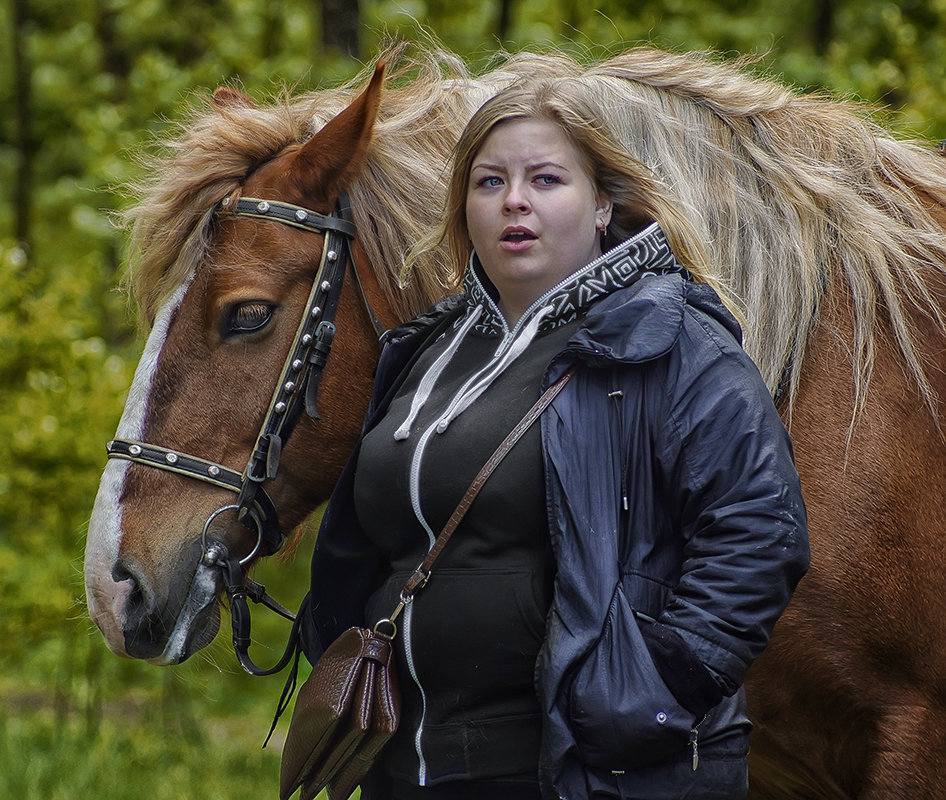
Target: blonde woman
(587,631)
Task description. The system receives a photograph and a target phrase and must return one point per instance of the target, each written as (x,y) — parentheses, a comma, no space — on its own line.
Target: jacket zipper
(617,395)
(694,742)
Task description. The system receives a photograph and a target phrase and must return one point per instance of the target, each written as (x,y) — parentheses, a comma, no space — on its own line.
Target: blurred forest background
(84,87)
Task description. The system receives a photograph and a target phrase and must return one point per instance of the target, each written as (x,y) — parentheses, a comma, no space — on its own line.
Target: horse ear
(334,156)
(225,97)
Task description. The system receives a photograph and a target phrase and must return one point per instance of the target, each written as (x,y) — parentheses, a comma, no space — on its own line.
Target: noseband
(296,391)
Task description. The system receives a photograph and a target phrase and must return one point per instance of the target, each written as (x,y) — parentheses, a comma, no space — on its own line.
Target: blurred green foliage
(84,87)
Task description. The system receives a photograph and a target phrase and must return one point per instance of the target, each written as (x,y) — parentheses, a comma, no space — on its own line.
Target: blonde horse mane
(397,199)
(787,191)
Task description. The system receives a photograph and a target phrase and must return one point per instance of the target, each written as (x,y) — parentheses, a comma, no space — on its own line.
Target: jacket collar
(645,253)
(645,321)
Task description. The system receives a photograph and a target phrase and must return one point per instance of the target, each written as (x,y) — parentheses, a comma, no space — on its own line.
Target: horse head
(201,391)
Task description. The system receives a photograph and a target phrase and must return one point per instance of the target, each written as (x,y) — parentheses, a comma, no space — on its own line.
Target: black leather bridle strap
(288,214)
(301,373)
(152,455)
(299,217)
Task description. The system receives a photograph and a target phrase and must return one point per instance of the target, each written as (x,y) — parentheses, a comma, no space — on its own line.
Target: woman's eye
(249,318)
(547,180)
(490,181)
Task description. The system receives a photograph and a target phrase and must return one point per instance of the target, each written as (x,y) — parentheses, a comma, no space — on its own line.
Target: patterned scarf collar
(646,253)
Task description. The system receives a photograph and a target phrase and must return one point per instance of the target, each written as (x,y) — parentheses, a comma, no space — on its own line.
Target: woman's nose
(515,200)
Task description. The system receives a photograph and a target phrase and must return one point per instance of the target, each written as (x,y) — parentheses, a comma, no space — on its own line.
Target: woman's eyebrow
(487,166)
(545,165)
(529,167)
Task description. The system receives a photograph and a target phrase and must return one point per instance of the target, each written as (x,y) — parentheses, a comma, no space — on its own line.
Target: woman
(587,631)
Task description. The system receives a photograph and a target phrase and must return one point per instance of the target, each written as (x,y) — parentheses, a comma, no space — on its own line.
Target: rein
(295,392)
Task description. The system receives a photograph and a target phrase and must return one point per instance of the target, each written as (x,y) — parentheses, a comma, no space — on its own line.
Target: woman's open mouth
(517,238)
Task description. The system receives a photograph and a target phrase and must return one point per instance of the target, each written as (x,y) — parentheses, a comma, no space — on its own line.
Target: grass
(77,722)
(161,748)
(44,758)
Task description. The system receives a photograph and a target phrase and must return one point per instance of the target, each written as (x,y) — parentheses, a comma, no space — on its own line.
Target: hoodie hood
(632,299)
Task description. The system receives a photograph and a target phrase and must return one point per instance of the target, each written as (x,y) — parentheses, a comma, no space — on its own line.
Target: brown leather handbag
(345,713)
(349,706)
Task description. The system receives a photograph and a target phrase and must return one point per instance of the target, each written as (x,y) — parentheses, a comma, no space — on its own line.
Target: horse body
(829,232)
(847,700)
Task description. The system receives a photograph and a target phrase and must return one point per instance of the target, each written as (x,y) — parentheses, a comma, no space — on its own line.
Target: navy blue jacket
(679,533)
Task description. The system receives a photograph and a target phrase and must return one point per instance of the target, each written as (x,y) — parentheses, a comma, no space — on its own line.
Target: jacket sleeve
(736,499)
(346,568)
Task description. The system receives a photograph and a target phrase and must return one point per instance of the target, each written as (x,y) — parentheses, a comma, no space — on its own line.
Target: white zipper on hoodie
(513,343)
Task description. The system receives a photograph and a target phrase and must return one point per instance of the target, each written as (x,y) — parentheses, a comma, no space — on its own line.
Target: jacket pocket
(622,713)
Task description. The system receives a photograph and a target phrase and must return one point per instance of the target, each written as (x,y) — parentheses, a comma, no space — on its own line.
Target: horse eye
(249,318)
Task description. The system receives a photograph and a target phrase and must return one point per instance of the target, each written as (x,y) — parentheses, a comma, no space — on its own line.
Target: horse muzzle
(159,606)
(163,626)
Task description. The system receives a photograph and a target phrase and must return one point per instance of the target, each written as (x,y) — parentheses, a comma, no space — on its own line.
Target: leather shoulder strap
(422,574)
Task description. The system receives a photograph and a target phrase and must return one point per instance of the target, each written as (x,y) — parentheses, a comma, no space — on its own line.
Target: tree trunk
(504,23)
(271,35)
(341,21)
(23,127)
(116,59)
(822,32)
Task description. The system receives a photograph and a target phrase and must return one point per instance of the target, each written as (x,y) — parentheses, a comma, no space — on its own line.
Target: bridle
(295,392)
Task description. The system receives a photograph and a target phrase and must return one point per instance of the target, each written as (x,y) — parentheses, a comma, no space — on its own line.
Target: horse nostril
(165,607)
(144,630)
(134,595)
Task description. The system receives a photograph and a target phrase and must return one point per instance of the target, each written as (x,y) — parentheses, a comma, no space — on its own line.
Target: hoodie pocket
(475,630)
(475,633)
(622,713)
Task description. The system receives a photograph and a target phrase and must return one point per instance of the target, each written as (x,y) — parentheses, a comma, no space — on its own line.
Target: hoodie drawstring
(466,398)
(430,377)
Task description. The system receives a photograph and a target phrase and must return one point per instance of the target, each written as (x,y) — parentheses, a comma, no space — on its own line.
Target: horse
(828,229)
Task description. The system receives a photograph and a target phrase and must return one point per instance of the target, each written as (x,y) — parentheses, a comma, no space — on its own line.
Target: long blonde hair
(638,196)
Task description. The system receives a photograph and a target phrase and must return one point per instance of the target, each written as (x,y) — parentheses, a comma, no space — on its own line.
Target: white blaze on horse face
(105,596)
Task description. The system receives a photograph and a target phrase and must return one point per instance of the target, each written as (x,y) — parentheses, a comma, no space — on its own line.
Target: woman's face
(532,211)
